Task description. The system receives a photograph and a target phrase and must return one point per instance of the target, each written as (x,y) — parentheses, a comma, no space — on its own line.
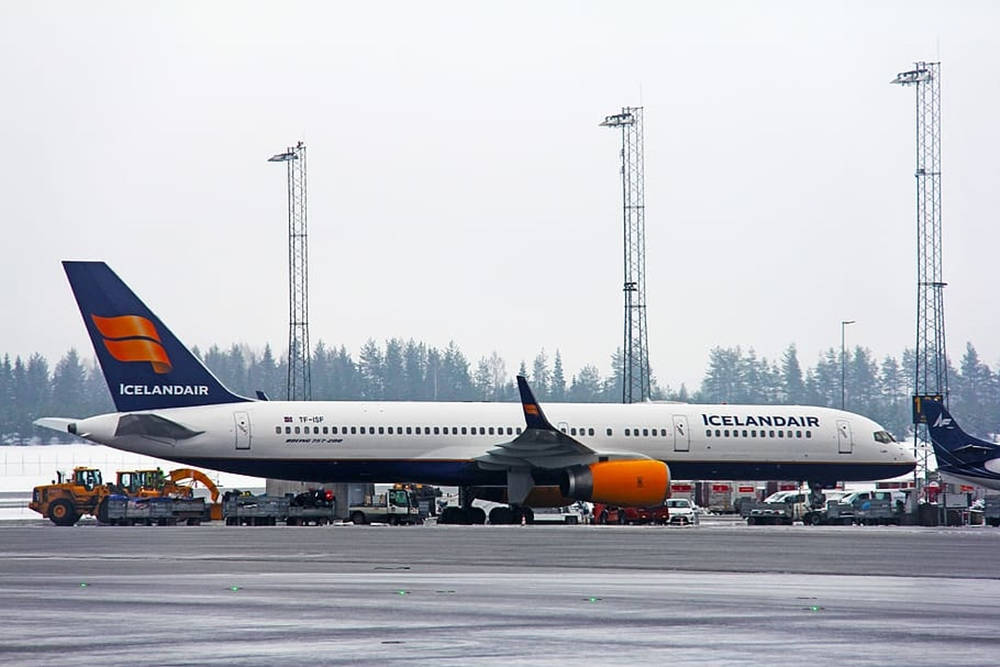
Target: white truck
(394,507)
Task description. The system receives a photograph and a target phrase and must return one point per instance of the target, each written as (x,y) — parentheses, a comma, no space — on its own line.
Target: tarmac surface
(719,593)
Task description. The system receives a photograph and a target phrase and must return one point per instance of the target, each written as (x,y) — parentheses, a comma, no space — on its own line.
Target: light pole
(843,361)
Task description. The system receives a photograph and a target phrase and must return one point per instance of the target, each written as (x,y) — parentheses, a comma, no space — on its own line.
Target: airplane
(169,405)
(959,455)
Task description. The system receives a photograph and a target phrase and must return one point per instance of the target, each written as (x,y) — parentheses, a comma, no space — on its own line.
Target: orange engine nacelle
(635,483)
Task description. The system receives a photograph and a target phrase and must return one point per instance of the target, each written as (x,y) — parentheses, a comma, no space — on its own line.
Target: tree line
(407,370)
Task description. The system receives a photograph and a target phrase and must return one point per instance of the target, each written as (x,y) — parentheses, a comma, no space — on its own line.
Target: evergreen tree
(415,363)
(587,386)
(793,388)
(456,384)
(394,371)
(557,391)
(68,386)
(540,376)
(482,381)
(370,370)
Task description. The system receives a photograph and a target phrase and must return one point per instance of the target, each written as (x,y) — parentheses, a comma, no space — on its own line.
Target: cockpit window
(884,436)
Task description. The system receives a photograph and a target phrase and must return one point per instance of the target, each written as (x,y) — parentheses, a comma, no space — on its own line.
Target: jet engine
(634,483)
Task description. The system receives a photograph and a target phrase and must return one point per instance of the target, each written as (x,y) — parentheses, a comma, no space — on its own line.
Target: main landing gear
(466,514)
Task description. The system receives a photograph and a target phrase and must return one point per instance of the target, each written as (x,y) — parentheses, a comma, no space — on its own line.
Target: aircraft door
(845,439)
(682,438)
(242,424)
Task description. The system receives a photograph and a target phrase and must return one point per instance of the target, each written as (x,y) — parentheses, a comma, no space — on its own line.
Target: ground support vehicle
(248,510)
(783,507)
(991,510)
(314,507)
(394,507)
(604,514)
(876,512)
(571,514)
(120,510)
(70,497)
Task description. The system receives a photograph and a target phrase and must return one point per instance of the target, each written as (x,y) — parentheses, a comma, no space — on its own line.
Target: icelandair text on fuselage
(163,390)
(759,420)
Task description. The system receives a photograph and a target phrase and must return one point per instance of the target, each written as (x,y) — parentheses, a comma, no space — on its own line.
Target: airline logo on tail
(133,338)
(942,422)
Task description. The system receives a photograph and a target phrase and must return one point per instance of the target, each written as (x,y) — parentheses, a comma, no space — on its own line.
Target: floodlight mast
(635,360)
(299,387)
(931,372)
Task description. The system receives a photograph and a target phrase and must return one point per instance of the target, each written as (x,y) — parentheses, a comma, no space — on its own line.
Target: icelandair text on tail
(163,390)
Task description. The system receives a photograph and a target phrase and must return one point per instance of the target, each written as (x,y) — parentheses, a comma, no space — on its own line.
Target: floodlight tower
(635,361)
(931,373)
(299,386)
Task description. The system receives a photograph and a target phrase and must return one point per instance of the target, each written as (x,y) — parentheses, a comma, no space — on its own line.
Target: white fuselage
(438,442)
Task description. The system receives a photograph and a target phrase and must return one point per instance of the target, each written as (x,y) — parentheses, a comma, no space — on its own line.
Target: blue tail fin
(146,367)
(953,447)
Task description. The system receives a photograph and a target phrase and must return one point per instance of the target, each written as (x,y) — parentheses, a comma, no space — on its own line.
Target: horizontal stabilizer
(60,424)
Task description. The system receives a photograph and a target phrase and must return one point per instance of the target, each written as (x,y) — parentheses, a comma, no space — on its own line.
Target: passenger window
(627,432)
(610,432)
(491,430)
(798,434)
(464,430)
(744,434)
(482,430)
(590,431)
(772,433)
(510,431)
(297,430)
(436,431)
(572,431)
(809,434)
(717,433)
(518,430)
(333,430)
(562,428)
(444,430)
(315,430)
(288,429)
(781,434)
(277,429)
(708,433)
(354,430)
(726,432)
(753,434)
(326,430)
(362,430)
(645,431)
(381,430)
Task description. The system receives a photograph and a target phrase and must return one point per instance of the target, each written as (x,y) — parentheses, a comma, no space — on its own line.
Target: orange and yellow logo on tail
(133,338)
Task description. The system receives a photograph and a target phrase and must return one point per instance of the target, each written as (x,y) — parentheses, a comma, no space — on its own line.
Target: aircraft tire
(477,516)
(501,516)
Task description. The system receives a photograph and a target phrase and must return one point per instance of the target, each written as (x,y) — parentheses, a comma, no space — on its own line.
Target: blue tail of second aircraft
(957,451)
(146,367)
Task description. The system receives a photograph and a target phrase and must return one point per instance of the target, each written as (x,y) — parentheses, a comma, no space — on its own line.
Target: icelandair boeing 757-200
(170,406)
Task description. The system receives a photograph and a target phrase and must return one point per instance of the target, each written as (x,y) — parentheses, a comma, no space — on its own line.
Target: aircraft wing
(541,445)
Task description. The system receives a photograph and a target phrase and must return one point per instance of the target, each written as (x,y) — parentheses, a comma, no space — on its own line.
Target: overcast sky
(461,189)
